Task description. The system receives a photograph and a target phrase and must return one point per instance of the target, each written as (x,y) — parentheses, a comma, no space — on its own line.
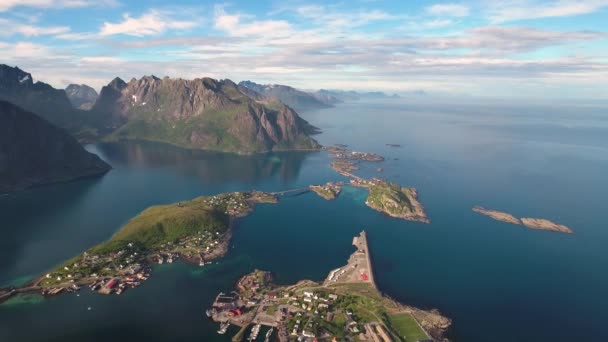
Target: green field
(406,327)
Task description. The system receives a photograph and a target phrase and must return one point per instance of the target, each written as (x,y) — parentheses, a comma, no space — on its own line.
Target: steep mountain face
(200,113)
(18,87)
(34,152)
(294,98)
(81,96)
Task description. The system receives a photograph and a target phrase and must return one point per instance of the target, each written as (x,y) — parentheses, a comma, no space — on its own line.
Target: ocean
(498,282)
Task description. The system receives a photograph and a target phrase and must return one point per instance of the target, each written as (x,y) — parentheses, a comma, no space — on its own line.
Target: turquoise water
(497,281)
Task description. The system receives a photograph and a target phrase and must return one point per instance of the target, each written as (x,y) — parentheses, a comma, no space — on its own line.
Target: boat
(254,332)
(210,312)
(201,263)
(223,328)
(268,334)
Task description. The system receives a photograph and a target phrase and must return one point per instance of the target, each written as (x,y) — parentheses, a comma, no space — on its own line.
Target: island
(347,306)
(196,231)
(329,191)
(344,167)
(392,199)
(383,196)
(532,223)
(497,215)
(543,224)
(342,153)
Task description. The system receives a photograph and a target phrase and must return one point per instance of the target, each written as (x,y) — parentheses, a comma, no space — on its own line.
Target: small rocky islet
(532,223)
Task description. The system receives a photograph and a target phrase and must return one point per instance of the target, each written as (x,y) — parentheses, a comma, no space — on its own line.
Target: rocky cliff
(202,113)
(35,152)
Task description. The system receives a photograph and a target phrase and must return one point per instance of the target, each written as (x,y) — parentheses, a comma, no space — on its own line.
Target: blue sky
(497,48)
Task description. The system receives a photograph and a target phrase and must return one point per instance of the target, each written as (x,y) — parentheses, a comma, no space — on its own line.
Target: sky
(494,48)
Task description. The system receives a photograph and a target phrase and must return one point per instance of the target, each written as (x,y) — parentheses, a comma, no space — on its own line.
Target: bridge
(292,192)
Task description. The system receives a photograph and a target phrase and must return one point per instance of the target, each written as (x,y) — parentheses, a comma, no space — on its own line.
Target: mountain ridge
(53,105)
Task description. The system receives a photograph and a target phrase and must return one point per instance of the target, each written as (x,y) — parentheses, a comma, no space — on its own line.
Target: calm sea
(497,281)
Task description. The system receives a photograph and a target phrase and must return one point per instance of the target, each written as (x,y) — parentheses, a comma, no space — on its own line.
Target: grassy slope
(160,224)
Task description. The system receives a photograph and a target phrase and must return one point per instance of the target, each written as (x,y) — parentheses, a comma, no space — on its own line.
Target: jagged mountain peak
(200,113)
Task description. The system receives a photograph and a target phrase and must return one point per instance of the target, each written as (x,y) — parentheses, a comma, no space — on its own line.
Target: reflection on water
(210,167)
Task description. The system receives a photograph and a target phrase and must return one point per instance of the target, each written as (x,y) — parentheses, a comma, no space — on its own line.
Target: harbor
(336,310)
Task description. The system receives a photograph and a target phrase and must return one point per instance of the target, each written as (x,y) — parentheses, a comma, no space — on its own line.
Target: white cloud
(234,25)
(514,10)
(448,10)
(437,23)
(9,28)
(6,5)
(150,23)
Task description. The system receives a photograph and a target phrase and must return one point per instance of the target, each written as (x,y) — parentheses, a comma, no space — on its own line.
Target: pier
(359,267)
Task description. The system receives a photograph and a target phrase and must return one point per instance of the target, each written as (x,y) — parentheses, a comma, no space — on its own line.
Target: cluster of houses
(233,204)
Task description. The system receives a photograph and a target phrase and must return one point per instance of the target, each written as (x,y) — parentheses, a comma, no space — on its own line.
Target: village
(346,307)
(119,264)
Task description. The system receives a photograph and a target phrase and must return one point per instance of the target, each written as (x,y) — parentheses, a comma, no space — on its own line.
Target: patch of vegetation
(406,327)
(394,200)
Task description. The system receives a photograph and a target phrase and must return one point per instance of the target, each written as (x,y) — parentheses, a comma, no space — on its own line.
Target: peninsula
(329,191)
(196,231)
(347,306)
(532,223)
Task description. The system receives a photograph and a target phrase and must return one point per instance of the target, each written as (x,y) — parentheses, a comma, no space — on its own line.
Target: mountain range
(294,98)
(35,152)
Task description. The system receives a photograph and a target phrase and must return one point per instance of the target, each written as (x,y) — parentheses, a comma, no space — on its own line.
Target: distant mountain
(35,152)
(294,98)
(81,96)
(202,113)
(18,87)
(327,97)
(350,95)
